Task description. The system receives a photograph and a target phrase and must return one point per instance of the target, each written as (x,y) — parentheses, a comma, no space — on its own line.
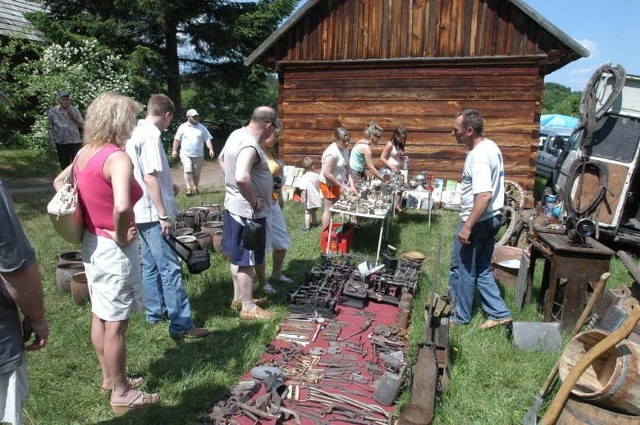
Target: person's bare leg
(115,358)
(237,294)
(326,214)
(188,181)
(97,340)
(307,219)
(261,274)
(244,276)
(278,259)
(196,181)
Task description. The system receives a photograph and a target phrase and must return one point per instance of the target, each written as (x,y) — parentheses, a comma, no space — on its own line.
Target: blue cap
(63,94)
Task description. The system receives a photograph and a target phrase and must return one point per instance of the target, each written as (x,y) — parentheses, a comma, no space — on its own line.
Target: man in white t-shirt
(190,139)
(481,213)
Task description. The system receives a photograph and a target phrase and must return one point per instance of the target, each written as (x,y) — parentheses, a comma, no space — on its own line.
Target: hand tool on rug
(531,416)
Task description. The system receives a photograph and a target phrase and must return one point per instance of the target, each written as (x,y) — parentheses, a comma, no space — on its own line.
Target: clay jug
(79,288)
(64,273)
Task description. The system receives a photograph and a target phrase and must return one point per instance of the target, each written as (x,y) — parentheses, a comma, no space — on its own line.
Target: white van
(552,141)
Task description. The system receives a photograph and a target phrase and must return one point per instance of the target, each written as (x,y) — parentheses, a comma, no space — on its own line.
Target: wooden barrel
(578,412)
(612,380)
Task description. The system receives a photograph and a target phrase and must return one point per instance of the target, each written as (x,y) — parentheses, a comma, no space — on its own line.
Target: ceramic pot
(69,257)
(212,207)
(190,219)
(79,288)
(217,240)
(190,241)
(205,240)
(64,273)
(183,231)
(201,212)
(211,227)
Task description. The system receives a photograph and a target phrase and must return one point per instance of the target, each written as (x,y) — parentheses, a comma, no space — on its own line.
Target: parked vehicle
(552,142)
(597,174)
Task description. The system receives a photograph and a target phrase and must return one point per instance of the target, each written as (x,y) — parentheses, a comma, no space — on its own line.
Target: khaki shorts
(114,275)
(192,164)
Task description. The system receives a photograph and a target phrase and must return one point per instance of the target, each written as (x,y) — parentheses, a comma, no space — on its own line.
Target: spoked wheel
(507,226)
(513,195)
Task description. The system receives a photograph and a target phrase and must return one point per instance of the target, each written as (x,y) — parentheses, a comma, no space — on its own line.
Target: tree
(558,99)
(199,43)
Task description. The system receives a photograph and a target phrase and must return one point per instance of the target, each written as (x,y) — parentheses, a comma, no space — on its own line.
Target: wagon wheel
(513,195)
(507,226)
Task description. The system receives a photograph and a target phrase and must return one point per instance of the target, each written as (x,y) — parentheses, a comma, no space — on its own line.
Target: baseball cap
(192,113)
(63,94)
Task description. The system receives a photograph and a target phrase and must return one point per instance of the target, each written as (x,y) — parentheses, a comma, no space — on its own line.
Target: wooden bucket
(577,412)
(612,380)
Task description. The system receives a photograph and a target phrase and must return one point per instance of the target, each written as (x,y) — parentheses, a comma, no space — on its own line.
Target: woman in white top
(336,174)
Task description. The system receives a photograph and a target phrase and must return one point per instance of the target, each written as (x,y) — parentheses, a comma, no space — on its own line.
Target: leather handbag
(65,211)
(197,260)
(253,235)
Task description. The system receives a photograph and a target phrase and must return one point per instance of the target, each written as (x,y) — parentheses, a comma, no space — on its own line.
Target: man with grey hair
(248,185)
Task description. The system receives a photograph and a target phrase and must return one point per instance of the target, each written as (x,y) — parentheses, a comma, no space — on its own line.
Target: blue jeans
(164,294)
(471,268)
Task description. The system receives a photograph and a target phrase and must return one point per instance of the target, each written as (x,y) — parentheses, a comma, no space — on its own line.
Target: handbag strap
(70,179)
(178,241)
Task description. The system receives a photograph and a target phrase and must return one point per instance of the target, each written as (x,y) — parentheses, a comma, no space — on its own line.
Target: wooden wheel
(513,195)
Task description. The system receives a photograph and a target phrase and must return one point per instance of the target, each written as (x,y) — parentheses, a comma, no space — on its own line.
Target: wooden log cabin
(415,63)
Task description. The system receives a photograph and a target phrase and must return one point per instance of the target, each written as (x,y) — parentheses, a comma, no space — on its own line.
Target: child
(310,194)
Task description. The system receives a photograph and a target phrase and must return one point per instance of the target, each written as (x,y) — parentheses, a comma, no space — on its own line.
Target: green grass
(491,382)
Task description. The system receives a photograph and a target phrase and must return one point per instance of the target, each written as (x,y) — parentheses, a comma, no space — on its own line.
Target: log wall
(315,99)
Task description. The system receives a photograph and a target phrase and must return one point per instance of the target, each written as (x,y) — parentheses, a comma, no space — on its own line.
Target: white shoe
(268,289)
(282,279)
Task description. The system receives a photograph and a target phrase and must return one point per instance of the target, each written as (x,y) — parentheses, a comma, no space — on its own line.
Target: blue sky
(607,28)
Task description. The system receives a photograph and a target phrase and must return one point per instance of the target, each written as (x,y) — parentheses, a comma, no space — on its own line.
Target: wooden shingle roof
(308,35)
(12,20)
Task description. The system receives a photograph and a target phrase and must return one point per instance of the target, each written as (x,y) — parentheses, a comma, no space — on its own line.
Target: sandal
(133,384)
(138,401)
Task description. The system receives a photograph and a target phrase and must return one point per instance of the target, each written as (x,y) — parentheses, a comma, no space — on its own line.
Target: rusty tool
(530,418)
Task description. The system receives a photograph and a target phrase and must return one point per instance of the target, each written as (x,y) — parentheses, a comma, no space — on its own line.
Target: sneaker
(305,228)
(255,314)
(269,290)
(192,334)
(282,279)
(188,193)
(237,304)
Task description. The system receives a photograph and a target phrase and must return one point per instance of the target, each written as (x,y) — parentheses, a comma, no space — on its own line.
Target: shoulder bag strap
(176,240)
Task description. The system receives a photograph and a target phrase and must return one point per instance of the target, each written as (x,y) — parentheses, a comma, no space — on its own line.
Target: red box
(341,237)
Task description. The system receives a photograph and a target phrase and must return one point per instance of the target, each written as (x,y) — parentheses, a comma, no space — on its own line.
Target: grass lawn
(491,382)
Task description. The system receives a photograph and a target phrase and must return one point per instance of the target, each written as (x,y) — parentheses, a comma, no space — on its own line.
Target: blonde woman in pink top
(107,192)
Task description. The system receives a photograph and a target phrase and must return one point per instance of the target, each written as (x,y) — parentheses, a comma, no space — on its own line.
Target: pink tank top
(96,193)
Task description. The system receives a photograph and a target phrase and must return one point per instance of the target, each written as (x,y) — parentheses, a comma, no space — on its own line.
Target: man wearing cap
(64,124)
(191,138)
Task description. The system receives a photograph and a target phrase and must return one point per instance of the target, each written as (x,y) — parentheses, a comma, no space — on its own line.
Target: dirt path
(211,178)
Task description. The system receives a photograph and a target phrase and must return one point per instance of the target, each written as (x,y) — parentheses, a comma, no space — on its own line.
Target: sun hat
(192,113)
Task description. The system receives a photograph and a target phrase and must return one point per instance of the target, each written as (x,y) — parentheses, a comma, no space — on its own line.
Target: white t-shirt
(192,139)
(309,183)
(261,179)
(147,154)
(483,172)
(342,162)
